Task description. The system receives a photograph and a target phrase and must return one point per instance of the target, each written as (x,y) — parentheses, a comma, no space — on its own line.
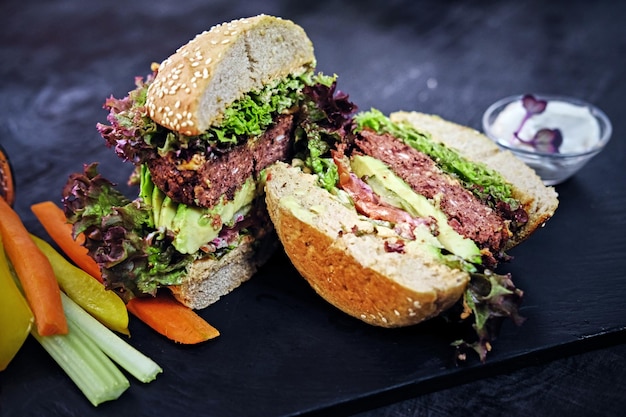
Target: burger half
(398,220)
(200,130)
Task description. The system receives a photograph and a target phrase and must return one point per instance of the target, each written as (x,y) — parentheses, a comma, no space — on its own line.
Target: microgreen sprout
(544,140)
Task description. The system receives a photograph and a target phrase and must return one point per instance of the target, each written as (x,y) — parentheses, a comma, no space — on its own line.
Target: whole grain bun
(539,201)
(208,280)
(347,259)
(194,85)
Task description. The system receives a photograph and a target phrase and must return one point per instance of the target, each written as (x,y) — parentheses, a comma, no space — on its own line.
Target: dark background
(283,351)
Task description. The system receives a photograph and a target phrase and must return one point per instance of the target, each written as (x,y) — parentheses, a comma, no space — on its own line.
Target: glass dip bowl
(554,135)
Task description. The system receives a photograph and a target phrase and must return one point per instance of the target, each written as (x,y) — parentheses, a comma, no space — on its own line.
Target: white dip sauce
(579,128)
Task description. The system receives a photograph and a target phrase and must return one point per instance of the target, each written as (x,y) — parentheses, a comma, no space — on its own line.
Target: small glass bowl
(7,183)
(585,131)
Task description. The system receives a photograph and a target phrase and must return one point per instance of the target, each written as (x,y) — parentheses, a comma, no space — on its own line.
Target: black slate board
(283,350)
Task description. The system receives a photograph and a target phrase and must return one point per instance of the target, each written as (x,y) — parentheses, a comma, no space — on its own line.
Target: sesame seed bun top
(194,85)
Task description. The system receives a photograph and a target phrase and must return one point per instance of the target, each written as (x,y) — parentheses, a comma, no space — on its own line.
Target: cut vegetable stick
(106,306)
(53,220)
(136,363)
(34,272)
(172,319)
(16,318)
(93,372)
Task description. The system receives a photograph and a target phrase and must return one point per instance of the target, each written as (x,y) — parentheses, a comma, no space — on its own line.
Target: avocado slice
(194,226)
(393,190)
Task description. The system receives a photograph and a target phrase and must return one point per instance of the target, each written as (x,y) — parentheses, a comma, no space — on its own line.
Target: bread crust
(539,201)
(195,84)
(344,257)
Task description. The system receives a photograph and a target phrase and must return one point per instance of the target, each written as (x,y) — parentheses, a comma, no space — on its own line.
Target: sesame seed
(225,41)
(177,104)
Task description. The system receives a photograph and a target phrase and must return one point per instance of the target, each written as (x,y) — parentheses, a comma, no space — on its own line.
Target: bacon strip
(369,203)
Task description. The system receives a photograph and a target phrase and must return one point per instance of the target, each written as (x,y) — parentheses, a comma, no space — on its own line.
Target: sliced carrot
(53,220)
(170,318)
(34,272)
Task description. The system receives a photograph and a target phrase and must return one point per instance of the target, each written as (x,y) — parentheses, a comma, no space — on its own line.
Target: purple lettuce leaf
(134,258)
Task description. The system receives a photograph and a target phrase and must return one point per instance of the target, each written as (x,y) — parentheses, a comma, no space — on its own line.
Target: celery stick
(129,358)
(90,369)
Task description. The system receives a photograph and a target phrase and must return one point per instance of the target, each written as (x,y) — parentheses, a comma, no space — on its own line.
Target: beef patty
(203,178)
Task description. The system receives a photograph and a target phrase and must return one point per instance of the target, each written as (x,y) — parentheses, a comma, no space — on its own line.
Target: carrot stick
(172,319)
(53,220)
(34,272)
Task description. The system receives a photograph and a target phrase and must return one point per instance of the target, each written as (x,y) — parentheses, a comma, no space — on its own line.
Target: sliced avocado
(146,188)
(158,198)
(167,211)
(195,226)
(393,190)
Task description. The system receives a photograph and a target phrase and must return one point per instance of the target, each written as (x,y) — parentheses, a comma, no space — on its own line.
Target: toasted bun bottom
(345,260)
(208,279)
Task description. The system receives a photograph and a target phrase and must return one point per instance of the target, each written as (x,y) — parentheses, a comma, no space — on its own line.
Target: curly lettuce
(136,137)
(325,122)
(488,300)
(133,255)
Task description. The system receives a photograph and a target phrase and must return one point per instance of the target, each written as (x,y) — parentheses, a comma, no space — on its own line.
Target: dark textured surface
(283,351)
